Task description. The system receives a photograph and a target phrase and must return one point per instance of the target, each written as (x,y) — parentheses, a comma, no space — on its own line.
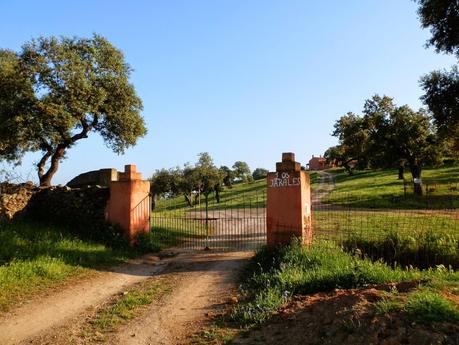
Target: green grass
(34,257)
(125,308)
(428,306)
(387,306)
(171,232)
(275,275)
(240,195)
(382,189)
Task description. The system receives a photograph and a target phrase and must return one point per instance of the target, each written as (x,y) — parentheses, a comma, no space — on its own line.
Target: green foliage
(209,176)
(259,173)
(34,256)
(387,306)
(56,91)
(442,18)
(242,171)
(442,97)
(385,136)
(428,306)
(227,176)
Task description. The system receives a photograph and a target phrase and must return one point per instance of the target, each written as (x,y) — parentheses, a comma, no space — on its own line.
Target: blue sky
(240,79)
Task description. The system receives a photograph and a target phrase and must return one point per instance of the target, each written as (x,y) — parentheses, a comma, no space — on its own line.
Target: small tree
(56,91)
(210,178)
(260,173)
(227,176)
(188,182)
(242,171)
(164,182)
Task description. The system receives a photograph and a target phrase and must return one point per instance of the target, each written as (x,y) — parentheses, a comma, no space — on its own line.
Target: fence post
(288,211)
(129,203)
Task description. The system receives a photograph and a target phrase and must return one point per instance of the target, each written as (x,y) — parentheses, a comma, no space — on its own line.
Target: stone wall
(101,177)
(14,198)
(81,211)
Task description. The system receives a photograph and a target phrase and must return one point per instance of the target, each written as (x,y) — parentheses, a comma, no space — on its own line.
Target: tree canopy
(442,87)
(56,91)
(242,171)
(442,18)
(259,173)
(384,136)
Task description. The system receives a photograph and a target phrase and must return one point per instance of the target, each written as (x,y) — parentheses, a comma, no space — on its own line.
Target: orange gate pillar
(129,203)
(289,203)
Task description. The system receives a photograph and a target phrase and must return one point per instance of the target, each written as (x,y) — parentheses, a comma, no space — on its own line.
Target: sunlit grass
(34,257)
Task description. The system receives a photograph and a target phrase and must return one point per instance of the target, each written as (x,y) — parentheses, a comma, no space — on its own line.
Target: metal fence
(395,230)
(399,230)
(236,222)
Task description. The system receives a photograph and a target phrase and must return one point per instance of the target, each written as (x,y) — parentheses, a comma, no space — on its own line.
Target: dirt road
(205,280)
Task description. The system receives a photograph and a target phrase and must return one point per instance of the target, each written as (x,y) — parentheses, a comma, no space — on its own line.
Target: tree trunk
(416,174)
(45,178)
(217,193)
(188,199)
(348,168)
(153,202)
(401,171)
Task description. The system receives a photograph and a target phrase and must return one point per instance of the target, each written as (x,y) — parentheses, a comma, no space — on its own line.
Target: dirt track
(206,279)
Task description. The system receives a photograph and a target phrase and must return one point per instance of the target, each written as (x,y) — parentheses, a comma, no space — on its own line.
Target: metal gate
(236,222)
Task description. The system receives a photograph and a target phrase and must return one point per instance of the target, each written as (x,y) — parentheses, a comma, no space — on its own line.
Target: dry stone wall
(14,198)
(80,210)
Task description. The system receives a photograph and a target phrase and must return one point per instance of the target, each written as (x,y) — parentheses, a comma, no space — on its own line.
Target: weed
(428,306)
(387,306)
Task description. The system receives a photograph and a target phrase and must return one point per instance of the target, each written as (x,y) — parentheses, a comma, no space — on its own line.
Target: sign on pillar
(288,210)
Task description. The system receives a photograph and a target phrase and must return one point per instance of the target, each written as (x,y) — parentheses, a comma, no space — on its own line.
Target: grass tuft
(427,306)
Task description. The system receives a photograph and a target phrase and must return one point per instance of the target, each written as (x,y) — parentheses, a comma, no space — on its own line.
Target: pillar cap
(130,173)
(288,157)
(288,163)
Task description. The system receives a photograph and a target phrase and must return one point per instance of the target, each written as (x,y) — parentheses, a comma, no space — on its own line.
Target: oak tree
(56,91)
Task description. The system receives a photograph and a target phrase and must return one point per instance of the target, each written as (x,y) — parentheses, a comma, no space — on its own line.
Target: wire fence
(421,237)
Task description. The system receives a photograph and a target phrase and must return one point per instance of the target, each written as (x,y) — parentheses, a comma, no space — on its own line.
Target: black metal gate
(236,222)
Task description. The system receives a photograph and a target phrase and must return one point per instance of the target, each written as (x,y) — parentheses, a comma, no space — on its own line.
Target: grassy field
(275,276)
(382,189)
(34,257)
(244,194)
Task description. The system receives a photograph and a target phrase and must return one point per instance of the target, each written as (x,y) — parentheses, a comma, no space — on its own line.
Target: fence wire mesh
(393,230)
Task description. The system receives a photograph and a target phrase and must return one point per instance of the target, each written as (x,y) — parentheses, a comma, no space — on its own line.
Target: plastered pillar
(129,203)
(289,203)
